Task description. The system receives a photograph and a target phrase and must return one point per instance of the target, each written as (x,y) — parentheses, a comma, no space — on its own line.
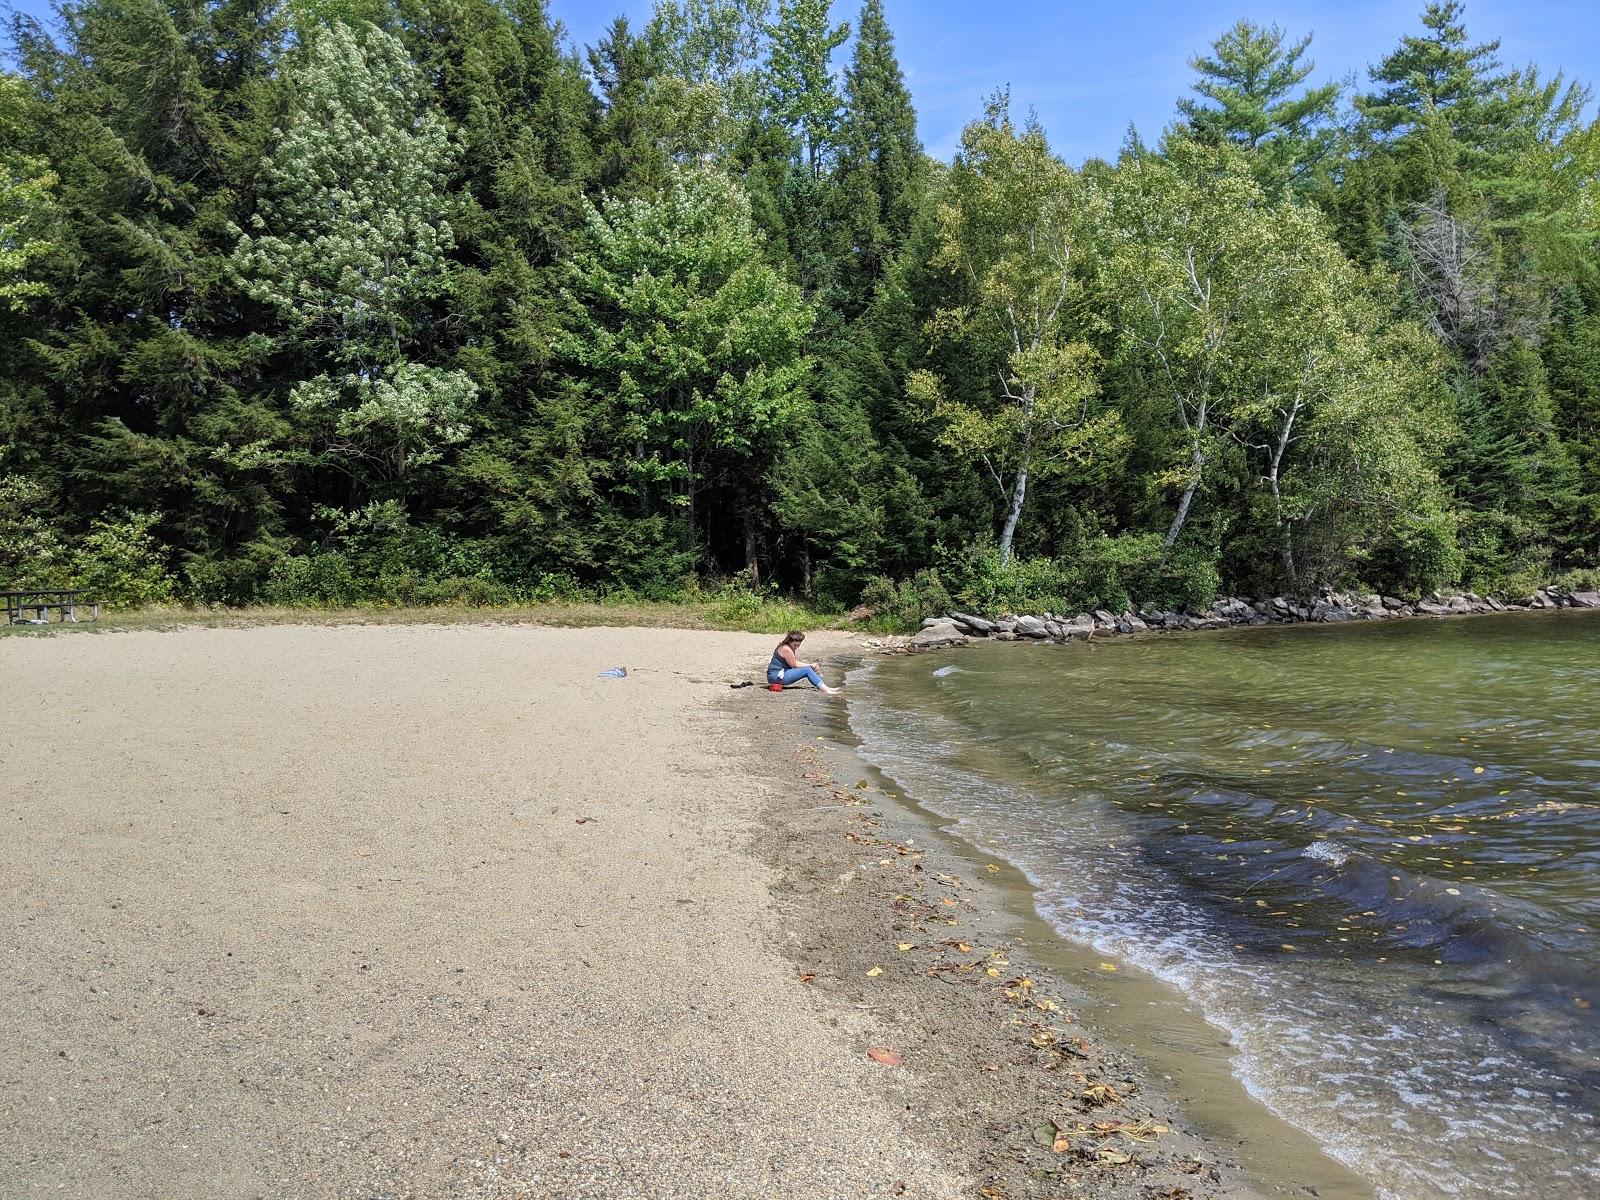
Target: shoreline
(1184,1063)
(1019,1069)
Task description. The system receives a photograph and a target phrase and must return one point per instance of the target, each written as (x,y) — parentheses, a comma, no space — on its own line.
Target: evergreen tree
(880,161)
(1438,72)
(1248,99)
(135,380)
(695,348)
(349,245)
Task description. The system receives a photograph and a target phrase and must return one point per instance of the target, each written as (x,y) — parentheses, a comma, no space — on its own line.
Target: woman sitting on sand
(786,669)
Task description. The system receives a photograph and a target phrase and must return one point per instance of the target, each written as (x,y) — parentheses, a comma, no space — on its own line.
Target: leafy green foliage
(400,302)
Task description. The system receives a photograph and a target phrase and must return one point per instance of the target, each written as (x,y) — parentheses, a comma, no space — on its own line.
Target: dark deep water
(1370,853)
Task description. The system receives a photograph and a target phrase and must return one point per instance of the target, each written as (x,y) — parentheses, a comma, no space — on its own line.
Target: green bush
(32,551)
(1105,572)
(119,562)
(317,580)
(897,607)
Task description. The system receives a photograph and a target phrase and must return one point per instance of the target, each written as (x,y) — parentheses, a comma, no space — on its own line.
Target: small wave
(1328,852)
(943,671)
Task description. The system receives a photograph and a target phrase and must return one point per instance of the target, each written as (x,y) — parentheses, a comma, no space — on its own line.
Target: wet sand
(416,911)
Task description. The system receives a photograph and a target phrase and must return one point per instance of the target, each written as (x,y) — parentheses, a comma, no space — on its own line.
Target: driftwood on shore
(1331,607)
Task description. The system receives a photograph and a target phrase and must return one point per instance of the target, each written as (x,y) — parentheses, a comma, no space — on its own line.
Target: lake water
(1370,854)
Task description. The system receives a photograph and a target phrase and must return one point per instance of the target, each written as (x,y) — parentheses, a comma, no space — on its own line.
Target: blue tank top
(776,667)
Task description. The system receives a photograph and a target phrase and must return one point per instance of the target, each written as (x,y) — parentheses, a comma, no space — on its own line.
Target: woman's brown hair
(793,638)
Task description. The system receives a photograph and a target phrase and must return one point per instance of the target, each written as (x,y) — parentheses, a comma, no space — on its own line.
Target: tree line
(413,301)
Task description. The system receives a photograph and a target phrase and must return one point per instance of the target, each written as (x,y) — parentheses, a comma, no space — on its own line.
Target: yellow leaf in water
(1108,966)
(1477,770)
(875,972)
(992,867)
(1452,891)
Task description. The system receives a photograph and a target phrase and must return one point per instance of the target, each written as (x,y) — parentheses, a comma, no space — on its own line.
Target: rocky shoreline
(1331,607)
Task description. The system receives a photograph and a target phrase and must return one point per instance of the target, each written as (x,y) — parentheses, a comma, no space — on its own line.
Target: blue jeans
(794,675)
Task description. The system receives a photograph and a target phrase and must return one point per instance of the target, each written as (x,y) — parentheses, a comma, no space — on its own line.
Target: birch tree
(1199,265)
(1012,232)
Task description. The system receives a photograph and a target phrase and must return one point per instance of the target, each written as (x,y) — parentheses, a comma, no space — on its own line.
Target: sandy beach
(426,911)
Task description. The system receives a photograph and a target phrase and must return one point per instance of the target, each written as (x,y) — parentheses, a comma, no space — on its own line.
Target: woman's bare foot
(828,691)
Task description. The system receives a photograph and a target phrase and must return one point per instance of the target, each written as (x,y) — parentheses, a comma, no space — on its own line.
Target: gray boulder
(935,637)
(972,624)
(1460,604)
(1031,627)
(1586,599)
(1429,608)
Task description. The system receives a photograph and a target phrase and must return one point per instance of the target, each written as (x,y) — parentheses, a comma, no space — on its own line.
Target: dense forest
(416,301)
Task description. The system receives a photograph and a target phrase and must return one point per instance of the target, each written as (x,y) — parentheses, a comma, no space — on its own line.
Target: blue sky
(1088,68)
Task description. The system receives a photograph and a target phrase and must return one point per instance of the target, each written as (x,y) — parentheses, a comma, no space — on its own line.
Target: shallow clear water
(1370,853)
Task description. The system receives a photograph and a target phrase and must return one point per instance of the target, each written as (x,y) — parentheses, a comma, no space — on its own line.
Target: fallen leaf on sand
(583,820)
(949,901)
(808,976)
(902,946)
(1114,1157)
(884,1055)
(1108,966)
(875,972)
(963,947)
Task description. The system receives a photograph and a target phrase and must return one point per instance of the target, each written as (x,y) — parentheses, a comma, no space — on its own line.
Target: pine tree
(349,245)
(1248,99)
(1439,72)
